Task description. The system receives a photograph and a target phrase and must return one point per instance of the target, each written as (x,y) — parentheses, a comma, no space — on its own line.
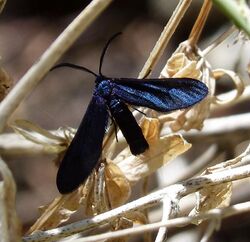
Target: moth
(110,99)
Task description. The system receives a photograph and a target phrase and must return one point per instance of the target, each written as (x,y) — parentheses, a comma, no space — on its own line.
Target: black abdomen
(129,127)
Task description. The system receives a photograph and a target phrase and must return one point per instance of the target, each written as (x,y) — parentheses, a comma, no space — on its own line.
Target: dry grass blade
(29,81)
(57,212)
(10,227)
(174,191)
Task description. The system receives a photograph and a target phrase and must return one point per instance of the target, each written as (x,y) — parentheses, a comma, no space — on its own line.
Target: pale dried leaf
(127,221)
(87,188)
(151,129)
(218,196)
(6,81)
(186,64)
(123,223)
(178,65)
(53,143)
(25,125)
(160,152)
(137,217)
(174,64)
(192,118)
(109,189)
(10,226)
(118,187)
(98,197)
(90,200)
(63,206)
(58,211)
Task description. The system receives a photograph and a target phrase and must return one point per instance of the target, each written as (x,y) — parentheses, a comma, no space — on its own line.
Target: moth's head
(104,88)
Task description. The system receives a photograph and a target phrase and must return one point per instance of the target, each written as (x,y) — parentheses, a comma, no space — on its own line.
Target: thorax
(104,88)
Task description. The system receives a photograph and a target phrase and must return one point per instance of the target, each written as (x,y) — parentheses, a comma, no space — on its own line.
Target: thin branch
(165,37)
(10,229)
(214,129)
(218,40)
(199,23)
(166,212)
(217,213)
(237,126)
(212,226)
(174,191)
(29,81)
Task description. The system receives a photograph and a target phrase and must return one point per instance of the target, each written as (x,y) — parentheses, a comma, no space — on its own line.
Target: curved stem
(200,22)
(32,77)
(165,37)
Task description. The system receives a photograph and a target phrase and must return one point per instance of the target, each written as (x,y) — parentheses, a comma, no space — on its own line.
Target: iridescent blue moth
(110,98)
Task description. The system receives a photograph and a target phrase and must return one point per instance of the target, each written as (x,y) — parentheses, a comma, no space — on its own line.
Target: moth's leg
(115,126)
(139,111)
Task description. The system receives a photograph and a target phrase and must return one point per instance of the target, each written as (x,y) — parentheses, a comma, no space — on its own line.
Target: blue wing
(85,149)
(162,95)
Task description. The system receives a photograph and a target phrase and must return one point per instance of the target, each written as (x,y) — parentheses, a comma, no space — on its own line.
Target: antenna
(74,67)
(104,51)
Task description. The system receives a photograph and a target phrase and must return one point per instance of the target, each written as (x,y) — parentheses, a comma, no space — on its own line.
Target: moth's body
(110,98)
(105,89)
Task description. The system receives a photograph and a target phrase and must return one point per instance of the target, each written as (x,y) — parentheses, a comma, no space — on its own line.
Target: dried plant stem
(217,213)
(210,230)
(28,82)
(214,130)
(229,95)
(165,37)
(219,40)
(10,229)
(174,191)
(166,212)
(200,22)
